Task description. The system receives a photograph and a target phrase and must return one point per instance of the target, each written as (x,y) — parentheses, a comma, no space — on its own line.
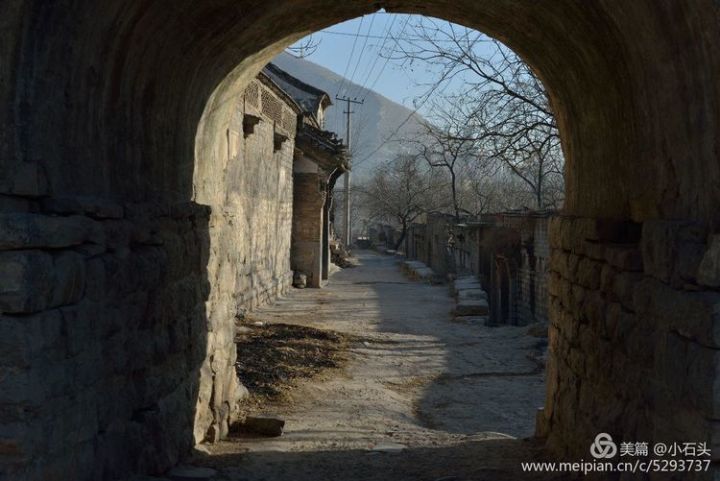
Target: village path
(421,398)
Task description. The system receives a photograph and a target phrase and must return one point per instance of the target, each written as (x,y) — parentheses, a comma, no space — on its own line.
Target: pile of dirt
(272,356)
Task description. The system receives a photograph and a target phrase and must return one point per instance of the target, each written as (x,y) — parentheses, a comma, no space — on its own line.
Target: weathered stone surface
(672,250)
(24,339)
(187,473)
(625,258)
(472,294)
(24,230)
(709,270)
(68,278)
(472,307)
(470,284)
(83,205)
(265,425)
(588,273)
(479,320)
(27,281)
(26,179)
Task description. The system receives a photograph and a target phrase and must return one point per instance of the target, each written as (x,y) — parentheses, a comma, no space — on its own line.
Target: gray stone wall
(633,334)
(117,319)
(102,336)
(249,235)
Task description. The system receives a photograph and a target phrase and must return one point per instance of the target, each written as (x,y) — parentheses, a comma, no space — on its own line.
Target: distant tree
(496,102)
(399,192)
(446,145)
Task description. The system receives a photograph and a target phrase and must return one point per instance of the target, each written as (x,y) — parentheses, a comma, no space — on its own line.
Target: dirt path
(422,397)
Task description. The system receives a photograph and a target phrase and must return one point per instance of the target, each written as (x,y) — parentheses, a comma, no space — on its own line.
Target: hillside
(374,121)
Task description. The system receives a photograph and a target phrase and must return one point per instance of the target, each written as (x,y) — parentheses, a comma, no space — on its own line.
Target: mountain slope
(378,124)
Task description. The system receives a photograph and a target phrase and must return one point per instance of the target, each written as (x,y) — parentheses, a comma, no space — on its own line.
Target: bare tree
(496,98)
(304,48)
(400,192)
(445,144)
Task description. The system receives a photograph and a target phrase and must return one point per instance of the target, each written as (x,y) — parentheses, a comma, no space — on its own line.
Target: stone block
(423,273)
(607,277)
(696,315)
(25,230)
(477,307)
(623,287)
(83,205)
(27,281)
(465,283)
(709,269)
(478,320)
(554,231)
(264,425)
(24,339)
(26,179)
(588,273)
(68,278)
(673,250)
(472,294)
(624,258)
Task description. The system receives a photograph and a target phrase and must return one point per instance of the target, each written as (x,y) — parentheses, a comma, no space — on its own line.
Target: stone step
(478,320)
(472,307)
(467,294)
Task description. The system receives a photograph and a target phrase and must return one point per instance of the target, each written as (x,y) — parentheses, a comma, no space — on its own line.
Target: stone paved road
(422,397)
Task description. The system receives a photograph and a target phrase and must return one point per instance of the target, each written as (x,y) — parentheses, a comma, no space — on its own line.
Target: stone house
(319,158)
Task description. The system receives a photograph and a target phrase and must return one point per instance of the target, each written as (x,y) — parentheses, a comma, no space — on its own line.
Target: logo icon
(603,447)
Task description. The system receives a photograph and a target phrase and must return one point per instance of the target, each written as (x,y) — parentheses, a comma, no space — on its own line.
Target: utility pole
(346,226)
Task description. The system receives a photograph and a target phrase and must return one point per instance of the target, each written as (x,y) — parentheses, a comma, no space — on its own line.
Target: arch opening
(114,147)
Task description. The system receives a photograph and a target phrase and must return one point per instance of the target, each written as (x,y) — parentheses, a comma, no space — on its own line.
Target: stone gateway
(135,227)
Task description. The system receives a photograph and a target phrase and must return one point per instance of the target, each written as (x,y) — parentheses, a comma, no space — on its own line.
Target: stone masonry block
(24,339)
(68,278)
(26,179)
(24,230)
(477,307)
(83,205)
(588,273)
(673,250)
(624,258)
(709,269)
(27,281)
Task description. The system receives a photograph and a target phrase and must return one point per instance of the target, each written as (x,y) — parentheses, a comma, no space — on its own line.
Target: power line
(387,59)
(352,52)
(364,117)
(362,87)
(375,61)
(347,68)
(402,124)
(372,20)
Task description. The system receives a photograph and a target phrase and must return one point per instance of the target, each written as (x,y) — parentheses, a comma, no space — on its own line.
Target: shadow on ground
(496,460)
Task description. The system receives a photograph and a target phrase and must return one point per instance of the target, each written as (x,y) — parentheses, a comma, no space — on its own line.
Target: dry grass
(273,357)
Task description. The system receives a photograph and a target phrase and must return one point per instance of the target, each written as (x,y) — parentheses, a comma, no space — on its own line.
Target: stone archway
(110,173)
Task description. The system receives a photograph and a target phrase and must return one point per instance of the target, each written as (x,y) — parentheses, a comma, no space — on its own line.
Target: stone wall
(508,252)
(249,234)
(117,324)
(633,334)
(102,336)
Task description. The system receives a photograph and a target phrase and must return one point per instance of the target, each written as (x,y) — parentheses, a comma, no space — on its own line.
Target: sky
(352,49)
